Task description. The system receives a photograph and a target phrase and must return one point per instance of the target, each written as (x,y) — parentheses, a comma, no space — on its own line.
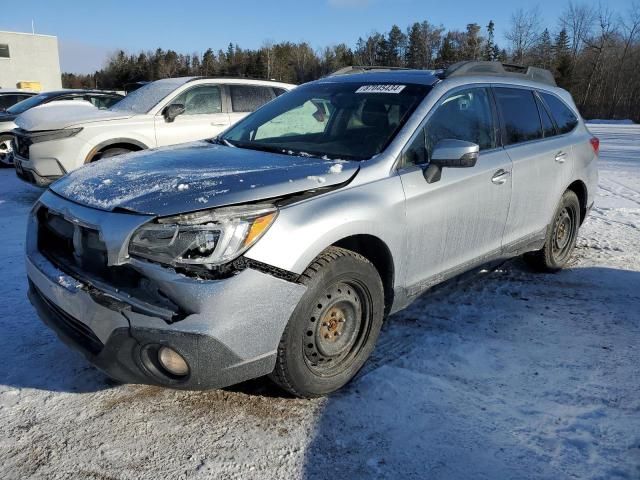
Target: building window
(4,50)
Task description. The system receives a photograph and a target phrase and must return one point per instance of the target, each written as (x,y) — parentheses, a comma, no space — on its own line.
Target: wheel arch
(378,253)
(128,143)
(580,189)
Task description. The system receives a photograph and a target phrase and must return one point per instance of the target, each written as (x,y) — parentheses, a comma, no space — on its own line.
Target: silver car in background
(280,246)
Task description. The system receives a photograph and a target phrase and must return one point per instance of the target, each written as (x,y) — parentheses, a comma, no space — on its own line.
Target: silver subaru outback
(279,247)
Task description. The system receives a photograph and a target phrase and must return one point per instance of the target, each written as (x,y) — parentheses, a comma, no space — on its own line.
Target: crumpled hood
(65,113)
(196,176)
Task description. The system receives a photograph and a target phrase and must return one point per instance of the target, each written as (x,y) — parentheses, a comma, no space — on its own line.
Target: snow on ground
(502,374)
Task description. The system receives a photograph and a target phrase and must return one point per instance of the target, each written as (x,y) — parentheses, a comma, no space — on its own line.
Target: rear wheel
(561,236)
(6,151)
(334,327)
(110,152)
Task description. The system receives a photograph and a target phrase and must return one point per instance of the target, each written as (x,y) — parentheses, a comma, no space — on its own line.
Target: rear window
(520,115)
(563,115)
(248,98)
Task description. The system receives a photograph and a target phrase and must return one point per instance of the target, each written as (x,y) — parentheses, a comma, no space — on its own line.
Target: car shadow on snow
(479,378)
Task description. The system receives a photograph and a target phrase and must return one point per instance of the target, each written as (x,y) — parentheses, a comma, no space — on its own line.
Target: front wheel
(334,327)
(561,236)
(6,151)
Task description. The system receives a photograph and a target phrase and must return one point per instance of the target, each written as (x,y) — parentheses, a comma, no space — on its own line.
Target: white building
(26,58)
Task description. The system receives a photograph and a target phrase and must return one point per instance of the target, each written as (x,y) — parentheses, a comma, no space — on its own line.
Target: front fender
(305,229)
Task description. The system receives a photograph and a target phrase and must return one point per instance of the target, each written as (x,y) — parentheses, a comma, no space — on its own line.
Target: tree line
(594,52)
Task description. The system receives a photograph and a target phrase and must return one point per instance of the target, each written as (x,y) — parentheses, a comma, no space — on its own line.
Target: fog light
(172,362)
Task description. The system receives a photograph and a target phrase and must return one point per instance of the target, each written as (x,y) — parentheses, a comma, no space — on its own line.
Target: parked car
(280,246)
(11,96)
(98,98)
(164,112)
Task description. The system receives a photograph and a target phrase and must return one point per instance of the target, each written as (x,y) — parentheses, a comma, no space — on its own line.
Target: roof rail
(498,69)
(364,69)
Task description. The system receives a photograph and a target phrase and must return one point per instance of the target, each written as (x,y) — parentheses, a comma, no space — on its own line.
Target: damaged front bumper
(229,330)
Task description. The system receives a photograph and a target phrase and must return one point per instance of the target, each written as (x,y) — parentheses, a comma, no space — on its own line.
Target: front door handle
(500,177)
(561,157)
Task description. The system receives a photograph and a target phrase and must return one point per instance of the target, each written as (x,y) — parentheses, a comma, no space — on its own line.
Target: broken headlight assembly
(208,238)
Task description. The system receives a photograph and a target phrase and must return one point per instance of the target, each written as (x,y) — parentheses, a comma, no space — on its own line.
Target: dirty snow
(502,374)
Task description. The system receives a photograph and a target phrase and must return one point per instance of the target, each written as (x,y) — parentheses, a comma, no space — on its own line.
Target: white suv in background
(51,142)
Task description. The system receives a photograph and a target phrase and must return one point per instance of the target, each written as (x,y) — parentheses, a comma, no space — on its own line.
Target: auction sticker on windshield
(380,89)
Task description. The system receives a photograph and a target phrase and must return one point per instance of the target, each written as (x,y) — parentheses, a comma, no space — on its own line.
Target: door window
(565,118)
(463,115)
(248,98)
(520,115)
(200,100)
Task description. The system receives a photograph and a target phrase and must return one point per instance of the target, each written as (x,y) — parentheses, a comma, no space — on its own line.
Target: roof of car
(78,91)
(419,77)
(5,91)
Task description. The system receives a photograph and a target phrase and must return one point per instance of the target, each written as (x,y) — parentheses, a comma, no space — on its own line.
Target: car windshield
(145,98)
(348,120)
(25,105)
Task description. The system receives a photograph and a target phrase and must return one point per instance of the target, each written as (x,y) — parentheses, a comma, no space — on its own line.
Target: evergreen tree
(490,53)
(416,55)
(562,59)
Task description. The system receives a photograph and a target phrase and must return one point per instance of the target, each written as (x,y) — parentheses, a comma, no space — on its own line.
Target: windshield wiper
(220,141)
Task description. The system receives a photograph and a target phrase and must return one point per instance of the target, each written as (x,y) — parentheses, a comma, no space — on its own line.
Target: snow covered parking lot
(502,374)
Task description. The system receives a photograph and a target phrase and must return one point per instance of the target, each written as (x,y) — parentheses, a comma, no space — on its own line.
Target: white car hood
(63,114)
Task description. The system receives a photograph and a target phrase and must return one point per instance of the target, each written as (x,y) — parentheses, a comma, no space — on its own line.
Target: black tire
(110,152)
(4,152)
(561,236)
(334,327)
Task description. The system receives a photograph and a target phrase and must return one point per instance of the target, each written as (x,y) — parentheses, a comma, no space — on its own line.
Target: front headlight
(208,238)
(47,135)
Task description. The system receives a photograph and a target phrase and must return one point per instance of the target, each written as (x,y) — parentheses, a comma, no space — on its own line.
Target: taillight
(595,143)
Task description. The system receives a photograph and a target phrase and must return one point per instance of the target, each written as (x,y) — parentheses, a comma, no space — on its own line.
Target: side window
(548,128)
(7,100)
(248,98)
(520,115)
(200,100)
(416,154)
(564,116)
(464,115)
(279,91)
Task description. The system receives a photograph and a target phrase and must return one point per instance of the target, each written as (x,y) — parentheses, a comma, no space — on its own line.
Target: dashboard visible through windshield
(351,121)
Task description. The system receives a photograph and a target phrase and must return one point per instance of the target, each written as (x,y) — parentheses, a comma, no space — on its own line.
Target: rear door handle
(561,157)
(218,124)
(500,177)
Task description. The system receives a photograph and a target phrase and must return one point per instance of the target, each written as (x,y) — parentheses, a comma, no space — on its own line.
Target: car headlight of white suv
(207,238)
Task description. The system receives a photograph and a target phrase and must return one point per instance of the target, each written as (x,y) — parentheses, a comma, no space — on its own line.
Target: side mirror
(450,153)
(170,112)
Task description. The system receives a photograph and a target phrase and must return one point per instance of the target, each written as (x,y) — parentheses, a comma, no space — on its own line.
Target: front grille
(79,252)
(21,144)
(70,244)
(77,331)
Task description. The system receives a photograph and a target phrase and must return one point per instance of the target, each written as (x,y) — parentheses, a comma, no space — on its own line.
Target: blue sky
(88,31)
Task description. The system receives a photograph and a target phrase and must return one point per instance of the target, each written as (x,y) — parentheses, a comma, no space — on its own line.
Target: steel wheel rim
(337,328)
(564,231)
